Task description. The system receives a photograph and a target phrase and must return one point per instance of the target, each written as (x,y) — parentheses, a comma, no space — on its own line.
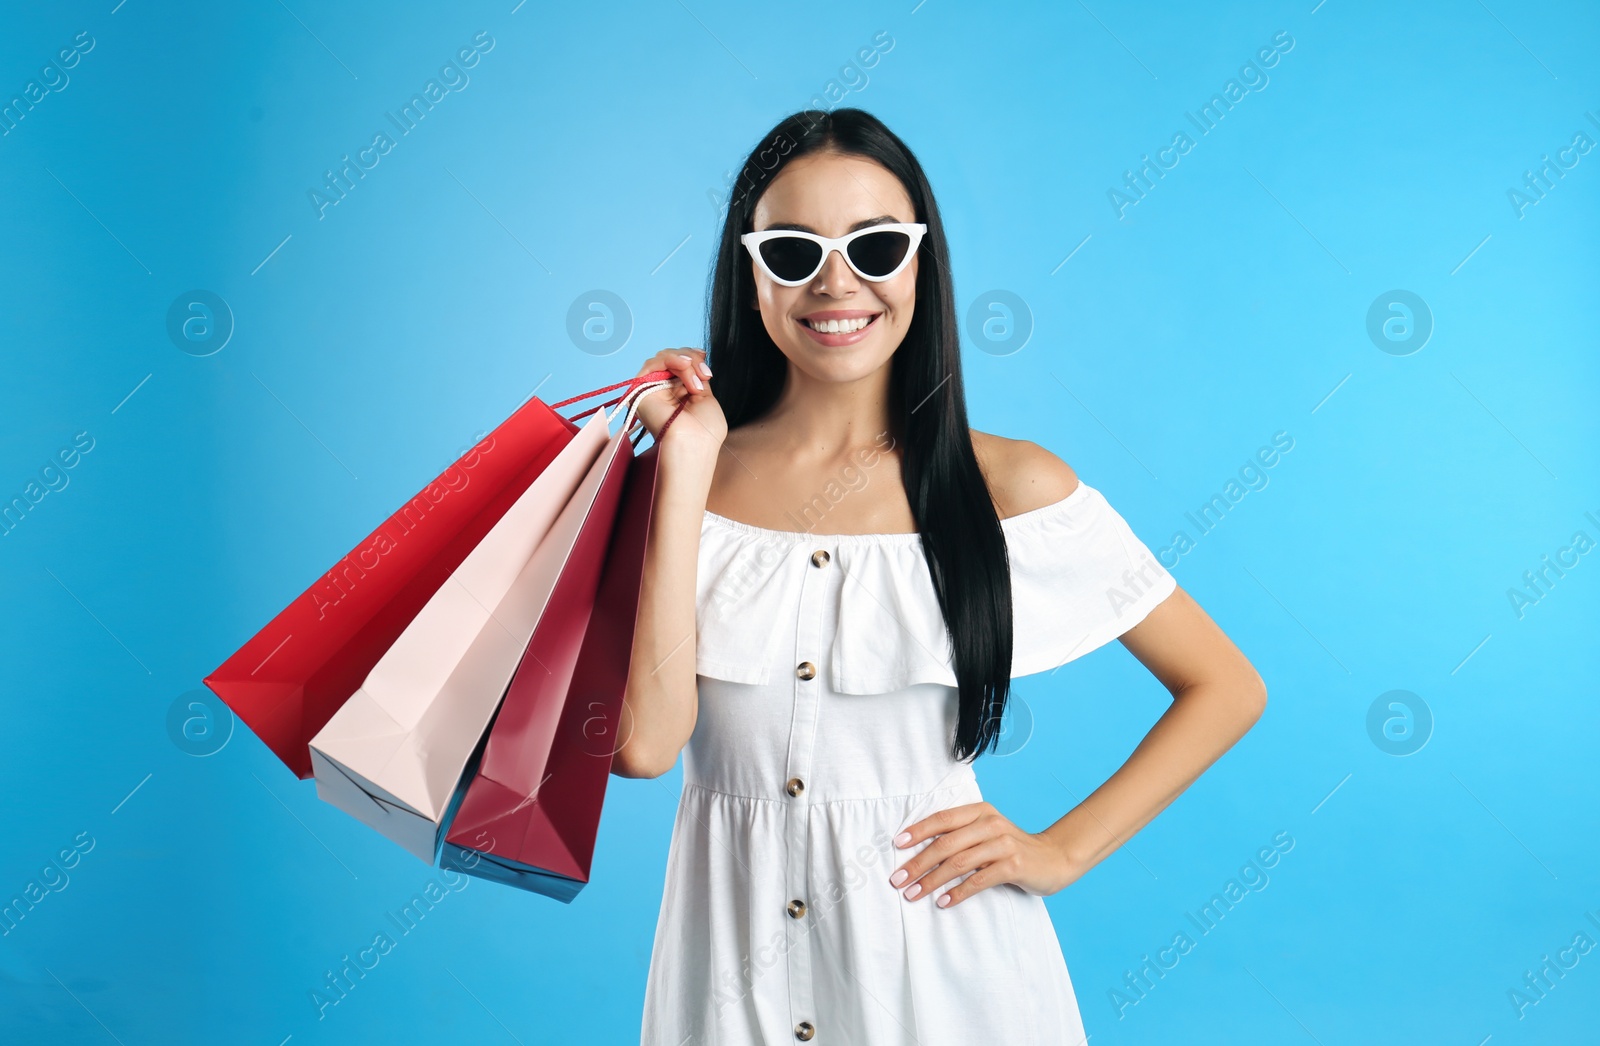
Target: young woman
(840,581)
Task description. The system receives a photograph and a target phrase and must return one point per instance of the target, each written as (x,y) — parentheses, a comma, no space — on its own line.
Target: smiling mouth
(842,326)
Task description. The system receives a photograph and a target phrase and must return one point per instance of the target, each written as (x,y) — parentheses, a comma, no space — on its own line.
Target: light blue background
(1229,304)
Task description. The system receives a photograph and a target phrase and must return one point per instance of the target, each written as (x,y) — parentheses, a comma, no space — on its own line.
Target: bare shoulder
(1022,476)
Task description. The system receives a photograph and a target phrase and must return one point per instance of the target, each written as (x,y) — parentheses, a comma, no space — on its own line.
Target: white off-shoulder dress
(827,708)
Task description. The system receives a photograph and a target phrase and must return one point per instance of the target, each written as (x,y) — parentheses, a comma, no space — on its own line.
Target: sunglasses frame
(754,240)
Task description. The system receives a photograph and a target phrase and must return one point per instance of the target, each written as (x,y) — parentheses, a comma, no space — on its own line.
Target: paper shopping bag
(530,812)
(393,755)
(287,681)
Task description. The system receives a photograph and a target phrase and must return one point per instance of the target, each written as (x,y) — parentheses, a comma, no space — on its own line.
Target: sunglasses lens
(879,253)
(791,257)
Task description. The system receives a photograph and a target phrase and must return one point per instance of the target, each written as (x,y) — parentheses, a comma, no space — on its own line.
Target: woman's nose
(835,274)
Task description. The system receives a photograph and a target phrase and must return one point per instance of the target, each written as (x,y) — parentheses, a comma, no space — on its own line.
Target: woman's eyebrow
(881,219)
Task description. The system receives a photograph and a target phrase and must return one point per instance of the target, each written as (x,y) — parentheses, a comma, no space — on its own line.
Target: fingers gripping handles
(627,403)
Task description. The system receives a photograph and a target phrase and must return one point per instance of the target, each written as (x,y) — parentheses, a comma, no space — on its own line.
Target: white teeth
(839,326)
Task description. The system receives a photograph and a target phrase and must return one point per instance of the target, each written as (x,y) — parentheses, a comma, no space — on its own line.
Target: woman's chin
(836,365)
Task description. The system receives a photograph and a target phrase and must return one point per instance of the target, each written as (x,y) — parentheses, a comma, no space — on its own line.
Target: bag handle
(627,403)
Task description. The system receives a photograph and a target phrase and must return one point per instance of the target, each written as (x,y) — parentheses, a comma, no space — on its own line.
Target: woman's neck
(816,420)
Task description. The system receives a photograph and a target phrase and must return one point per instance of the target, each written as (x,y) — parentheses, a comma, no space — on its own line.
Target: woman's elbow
(633,761)
(1254,697)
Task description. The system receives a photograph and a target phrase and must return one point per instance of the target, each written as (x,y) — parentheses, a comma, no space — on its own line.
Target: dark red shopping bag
(530,812)
(293,675)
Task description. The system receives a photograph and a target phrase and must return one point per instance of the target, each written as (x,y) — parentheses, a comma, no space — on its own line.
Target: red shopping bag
(292,676)
(530,812)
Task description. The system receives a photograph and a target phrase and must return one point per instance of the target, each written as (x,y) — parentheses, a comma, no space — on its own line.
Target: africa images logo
(453,78)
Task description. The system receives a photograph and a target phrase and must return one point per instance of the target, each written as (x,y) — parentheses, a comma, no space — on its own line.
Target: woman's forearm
(661,702)
(1203,722)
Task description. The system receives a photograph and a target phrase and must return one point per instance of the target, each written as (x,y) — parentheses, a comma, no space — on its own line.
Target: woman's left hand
(977,838)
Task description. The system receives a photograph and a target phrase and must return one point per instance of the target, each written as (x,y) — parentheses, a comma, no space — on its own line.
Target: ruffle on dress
(1079,579)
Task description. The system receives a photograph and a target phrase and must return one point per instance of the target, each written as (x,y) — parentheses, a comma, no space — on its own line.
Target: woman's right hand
(700,427)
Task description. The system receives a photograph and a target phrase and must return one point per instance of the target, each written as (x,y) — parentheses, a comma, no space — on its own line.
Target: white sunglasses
(876,253)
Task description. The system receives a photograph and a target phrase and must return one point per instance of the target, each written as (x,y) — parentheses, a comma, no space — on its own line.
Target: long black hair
(962,538)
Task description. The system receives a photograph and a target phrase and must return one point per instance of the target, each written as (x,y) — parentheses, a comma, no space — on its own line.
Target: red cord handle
(631,383)
(670,419)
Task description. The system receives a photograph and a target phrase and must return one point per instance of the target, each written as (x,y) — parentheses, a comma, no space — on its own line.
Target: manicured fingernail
(902,839)
(705,370)
(898,877)
(911,894)
(697,382)
(943,902)
(683,359)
